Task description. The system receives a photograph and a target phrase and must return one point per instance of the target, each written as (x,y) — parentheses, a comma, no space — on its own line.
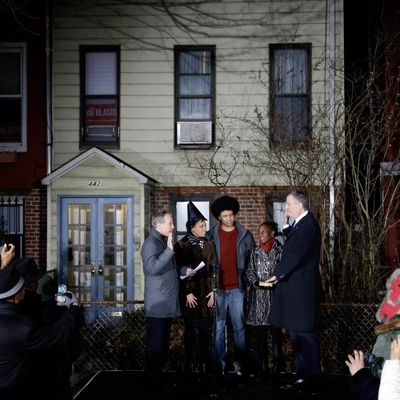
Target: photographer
(25,343)
(363,383)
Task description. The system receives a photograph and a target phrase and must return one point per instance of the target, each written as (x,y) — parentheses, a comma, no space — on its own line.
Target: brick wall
(35,225)
(252,200)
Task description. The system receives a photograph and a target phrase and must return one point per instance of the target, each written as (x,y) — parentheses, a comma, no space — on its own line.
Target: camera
(370,360)
(60,296)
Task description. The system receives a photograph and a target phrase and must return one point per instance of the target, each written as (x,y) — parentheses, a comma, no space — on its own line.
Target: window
(275,212)
(194,96)
(100,96)
(13,97)
(12,222)
(178,207)
(290,82)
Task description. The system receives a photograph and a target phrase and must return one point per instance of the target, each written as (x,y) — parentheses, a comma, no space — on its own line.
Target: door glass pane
(115,251)
(109,235)
(120,238)
(79,233)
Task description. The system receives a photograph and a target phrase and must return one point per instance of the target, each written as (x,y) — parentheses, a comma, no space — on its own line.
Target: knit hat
(11,282)
(224,203)
(390,306)
(194,214)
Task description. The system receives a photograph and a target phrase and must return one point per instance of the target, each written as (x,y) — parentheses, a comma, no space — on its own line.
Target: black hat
(28,268)
(194,214)
(224,203)
(11,282)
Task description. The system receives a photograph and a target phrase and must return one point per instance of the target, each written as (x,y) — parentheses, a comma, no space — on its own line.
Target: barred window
(12,222)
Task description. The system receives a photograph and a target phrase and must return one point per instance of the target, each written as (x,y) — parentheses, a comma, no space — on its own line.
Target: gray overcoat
(160,278)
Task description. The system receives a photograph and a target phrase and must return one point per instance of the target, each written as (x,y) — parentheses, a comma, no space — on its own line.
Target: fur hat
(390,306)
(28,268)
(194,214)
(224,203)
(11,282)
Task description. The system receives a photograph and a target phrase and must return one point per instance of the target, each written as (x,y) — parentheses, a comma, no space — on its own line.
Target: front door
(96,251)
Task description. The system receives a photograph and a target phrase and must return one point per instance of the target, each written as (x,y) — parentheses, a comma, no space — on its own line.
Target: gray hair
(301,198)
(158,217)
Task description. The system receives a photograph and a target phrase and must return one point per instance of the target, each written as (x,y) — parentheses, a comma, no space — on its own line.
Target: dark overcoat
(295,305)
(200,284)
(23,343)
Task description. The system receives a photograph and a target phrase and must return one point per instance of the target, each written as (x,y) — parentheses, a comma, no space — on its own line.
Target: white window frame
(22,145)
(195,133)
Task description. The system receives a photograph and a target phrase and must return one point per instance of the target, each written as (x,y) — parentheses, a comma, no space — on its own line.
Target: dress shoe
(302,386)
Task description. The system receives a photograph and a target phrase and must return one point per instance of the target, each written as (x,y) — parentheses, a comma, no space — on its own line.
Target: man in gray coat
(160,293)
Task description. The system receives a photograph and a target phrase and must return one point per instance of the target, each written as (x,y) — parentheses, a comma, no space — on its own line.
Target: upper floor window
(100,95)
(13,97)
(12,211)
(290,91)
(194,96)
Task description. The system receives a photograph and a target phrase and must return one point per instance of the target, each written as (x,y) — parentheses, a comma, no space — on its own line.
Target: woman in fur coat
(197,292)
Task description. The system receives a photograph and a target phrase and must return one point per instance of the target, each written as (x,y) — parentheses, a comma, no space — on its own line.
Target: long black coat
(295,305)
(201,284)
(23,342)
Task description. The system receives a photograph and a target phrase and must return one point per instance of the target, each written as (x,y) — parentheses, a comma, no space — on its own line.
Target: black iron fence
(116,340)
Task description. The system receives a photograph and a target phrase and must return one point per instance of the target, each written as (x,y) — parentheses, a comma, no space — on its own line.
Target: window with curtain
(194,95)
(13,96)
(100,96)
(290,82)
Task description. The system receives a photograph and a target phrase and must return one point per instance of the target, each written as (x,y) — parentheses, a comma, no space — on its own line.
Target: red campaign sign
(99,114)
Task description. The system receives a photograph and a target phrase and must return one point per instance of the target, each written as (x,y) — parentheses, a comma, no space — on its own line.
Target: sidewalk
(109,384)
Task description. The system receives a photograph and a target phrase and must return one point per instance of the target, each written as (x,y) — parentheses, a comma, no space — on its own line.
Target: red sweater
(228,277)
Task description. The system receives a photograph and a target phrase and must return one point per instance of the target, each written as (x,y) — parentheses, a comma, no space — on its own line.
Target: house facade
(155,104)
(23,128)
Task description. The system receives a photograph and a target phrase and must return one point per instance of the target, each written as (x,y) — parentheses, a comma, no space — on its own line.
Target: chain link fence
(116,340)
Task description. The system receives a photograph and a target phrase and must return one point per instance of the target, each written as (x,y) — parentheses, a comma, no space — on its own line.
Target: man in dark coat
(23,342)
(295,305)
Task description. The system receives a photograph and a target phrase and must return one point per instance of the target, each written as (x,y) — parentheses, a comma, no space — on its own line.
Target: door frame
(97,201)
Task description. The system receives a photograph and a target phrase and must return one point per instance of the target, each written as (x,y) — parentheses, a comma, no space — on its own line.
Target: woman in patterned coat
(196,292)
(261,266)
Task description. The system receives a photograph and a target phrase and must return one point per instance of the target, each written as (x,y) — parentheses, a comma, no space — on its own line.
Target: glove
(66,300)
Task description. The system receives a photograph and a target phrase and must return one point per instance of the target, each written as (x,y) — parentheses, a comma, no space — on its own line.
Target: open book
(200,266)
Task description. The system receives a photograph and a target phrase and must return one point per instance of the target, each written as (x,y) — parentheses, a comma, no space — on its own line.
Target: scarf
(267,246)
(196,241)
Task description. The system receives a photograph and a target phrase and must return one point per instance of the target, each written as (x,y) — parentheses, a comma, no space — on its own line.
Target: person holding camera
(363,383)
(7,254)
(25,343)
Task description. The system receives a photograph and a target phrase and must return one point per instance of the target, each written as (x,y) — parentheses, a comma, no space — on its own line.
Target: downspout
(332,68)
(49,126)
